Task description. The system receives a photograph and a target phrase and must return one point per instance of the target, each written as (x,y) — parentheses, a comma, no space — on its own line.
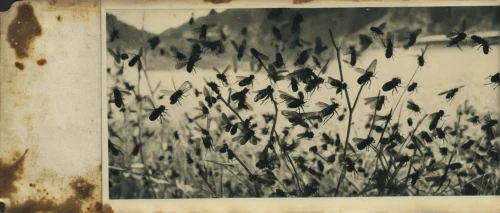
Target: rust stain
(84,195)
(23,29)
(217,1)
(301,1)
(19,65)
(41,62)
(10,174)
(59,18)
(82,188)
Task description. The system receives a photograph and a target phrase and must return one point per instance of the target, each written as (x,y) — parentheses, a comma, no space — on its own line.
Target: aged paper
(55,103)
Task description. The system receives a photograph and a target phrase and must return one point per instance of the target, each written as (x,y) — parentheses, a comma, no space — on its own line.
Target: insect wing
(417,32)
(234,45)
(263,57)
(445,92)
(174,50)
(186,86)
(322,105)
(285,96)
(462,26)
(381,26)
(192,40)
(181,65)
(226,69)
(323,70)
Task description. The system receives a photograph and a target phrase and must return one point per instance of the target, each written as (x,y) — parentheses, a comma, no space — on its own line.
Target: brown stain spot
(82,188)
(217,1)
(19,65)
(10,174)
(301,1)
(82,197)
(41,62)
(22,30)
(59,18)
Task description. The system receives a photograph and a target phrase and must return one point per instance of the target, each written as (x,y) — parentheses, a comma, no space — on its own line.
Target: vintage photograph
(302,102)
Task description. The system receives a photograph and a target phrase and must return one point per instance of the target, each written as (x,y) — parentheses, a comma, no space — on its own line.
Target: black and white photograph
(302,102)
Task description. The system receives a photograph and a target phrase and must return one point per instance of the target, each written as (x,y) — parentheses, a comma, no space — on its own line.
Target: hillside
(346,24)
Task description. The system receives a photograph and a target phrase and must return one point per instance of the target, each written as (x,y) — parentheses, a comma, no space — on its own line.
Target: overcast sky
(157,21)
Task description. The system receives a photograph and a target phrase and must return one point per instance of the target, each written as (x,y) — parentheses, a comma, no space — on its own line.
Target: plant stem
(243,164)
(231,108)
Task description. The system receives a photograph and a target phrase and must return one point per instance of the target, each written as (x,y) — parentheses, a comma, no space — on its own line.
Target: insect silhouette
(467,144)
(214,86)
(420,58)
(350,165)
(435,117)
(205,135)
(209,98)
(425,135)
(376,102)
(205,112)
(295,118)
(441,133)
(241,97)
(482,43)
(264,94)
(318,47)
(176,96)
(279,62)
(296,21)
(316,61)
(196,93)
(413,37)
(157,113)
(457,36)
(225,149)
(294,84)
(307,134)
(118,55)
(410,122)
(450,94)
(363,143)
(293,102)
(303,57)
(118,96)
(378,30)
(228,126)
(153,42)
(193,58)
(136,60)
(177,54)
(277,33)
(488,126)
(389,45)
(367,74)
(313,84)
(245,81)
(215,47)
(474,119)
(353,56)
(413,107)
(240,49)
(246,136)
(258,55)
(364,41)
(413,87)
(274,75)
(244,30)
(392,85)
(191,20)
(328,110)
(222,75)
(337,84)
(494,79)
(203,30)
(303,75)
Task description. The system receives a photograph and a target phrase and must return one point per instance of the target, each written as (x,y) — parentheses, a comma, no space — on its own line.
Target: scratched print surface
(316,102)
